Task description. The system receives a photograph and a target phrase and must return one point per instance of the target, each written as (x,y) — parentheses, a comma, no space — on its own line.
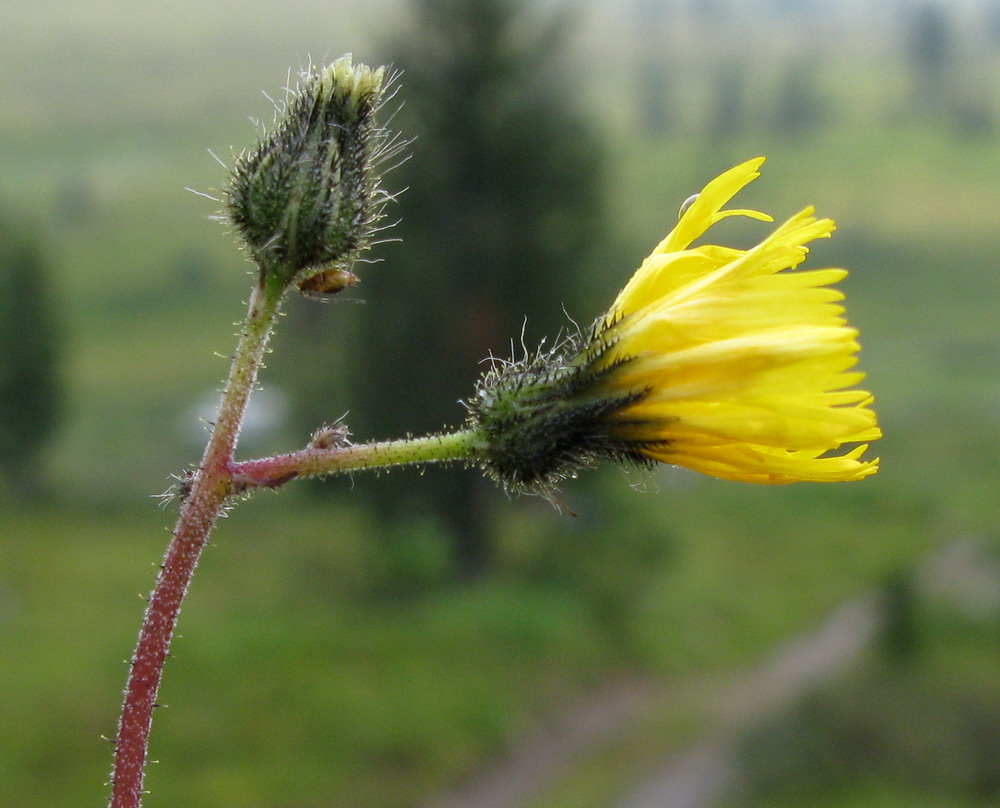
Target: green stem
(211,486)
(315,461)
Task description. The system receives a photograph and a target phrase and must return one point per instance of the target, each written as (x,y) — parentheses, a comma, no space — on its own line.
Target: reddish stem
(211,486)
(195,523)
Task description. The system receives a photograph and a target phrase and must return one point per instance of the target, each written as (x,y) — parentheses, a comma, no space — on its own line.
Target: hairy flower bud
(307,199)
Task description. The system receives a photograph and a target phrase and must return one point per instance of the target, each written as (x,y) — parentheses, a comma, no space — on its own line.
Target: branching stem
(218,478)
(210,488)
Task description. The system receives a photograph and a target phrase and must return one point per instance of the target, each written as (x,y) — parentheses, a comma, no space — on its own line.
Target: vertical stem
(205,501)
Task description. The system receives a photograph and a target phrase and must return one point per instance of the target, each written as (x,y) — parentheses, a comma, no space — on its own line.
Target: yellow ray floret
(743,366)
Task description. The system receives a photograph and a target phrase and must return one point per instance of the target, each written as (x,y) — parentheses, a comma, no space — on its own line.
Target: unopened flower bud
(307,199)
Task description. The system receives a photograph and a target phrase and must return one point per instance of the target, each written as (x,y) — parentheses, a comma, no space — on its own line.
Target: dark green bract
(545,417)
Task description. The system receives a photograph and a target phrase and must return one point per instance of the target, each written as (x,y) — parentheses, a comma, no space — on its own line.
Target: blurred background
(420,639)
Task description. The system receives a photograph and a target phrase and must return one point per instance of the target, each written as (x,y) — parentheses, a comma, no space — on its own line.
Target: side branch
(316,461)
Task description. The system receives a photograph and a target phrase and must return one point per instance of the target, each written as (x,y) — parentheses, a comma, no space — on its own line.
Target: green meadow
(320,663)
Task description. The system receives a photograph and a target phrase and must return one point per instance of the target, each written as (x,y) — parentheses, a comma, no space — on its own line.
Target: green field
(320,664)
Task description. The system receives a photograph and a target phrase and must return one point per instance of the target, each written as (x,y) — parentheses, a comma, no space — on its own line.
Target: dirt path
(534,761)
(697,777)
(700,777)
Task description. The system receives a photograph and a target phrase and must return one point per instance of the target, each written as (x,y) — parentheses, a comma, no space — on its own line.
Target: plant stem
(314,461)
(210,488)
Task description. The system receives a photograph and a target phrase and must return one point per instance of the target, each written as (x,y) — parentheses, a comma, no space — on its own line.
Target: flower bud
(306,199)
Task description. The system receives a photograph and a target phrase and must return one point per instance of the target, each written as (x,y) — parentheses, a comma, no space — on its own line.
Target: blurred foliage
(323,660)
(30,347)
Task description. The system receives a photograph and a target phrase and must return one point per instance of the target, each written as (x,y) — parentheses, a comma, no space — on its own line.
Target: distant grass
(898,731)
(289,682)
(299,678)
(66,581)
(753,566)
(283,689)
(872,795)
(266,680)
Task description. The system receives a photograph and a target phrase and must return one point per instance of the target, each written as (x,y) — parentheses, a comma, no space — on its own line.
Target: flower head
(717,359)
(306,199)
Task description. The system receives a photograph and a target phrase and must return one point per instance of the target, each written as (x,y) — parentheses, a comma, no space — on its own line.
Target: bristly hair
(545,417)
(309,197)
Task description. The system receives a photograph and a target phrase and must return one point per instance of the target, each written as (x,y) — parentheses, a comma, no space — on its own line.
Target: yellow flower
(717,359)
(734,366)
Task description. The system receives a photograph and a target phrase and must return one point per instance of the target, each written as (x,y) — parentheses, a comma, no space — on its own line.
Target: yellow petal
(703,211)
(742,365)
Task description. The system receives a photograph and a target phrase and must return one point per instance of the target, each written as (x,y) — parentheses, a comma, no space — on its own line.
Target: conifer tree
(503,202)
(29,381)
